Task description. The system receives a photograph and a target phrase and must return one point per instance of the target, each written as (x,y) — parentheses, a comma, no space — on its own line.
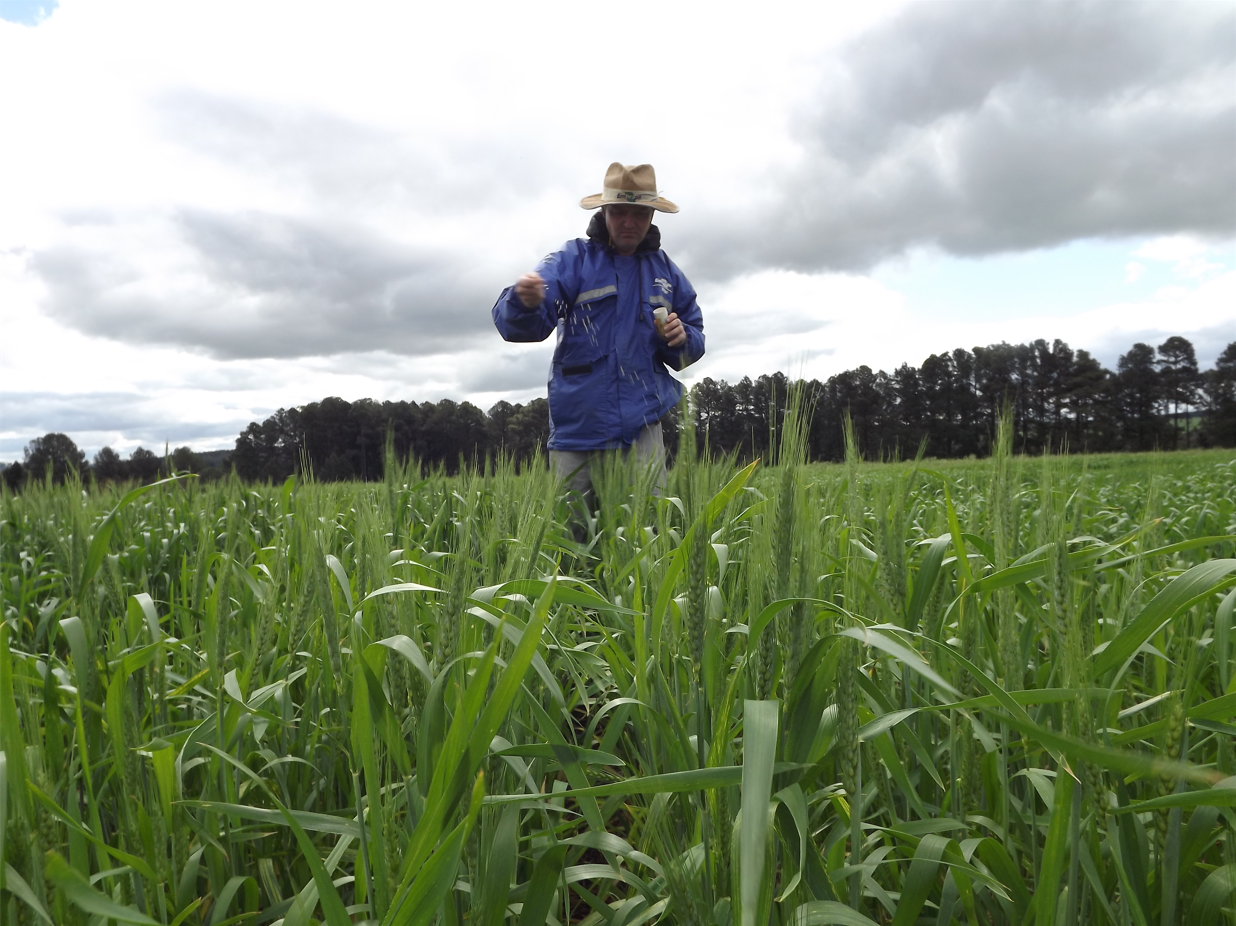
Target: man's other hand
(673,332)
(531,290)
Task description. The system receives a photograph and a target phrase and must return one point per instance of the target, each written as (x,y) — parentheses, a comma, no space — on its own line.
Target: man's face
(627,226)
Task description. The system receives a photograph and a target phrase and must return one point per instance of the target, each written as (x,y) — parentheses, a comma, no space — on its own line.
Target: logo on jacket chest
(664,285)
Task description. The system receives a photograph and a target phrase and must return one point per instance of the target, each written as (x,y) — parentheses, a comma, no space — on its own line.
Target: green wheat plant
(981,692)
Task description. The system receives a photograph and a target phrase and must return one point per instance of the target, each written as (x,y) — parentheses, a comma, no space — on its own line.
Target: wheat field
(981,692)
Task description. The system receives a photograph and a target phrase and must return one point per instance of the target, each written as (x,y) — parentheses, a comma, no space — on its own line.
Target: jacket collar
(599,234)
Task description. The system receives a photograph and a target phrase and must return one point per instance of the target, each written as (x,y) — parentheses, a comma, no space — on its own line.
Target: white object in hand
(659,315)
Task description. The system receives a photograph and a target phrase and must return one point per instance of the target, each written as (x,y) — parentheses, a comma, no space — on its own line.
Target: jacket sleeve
(688,312)
(515,322)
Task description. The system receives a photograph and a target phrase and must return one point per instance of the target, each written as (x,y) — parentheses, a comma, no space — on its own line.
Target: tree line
(1061,399)
(339,440)
(56,455)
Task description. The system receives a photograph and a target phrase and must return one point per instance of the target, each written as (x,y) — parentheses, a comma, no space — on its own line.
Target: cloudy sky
(212,210)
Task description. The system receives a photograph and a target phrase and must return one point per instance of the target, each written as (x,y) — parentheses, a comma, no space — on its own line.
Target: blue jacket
(609,374)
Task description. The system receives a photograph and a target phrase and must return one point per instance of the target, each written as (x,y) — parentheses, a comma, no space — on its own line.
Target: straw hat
(630,183)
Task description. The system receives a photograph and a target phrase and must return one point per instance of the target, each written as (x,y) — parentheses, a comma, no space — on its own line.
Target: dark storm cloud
(259,285)
(979,128)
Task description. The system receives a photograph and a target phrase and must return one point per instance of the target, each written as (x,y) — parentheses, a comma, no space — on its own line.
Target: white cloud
(215,210)
(1191,257)
(818,325)
(1133,271)
(1172,248)
(1197,267)
(987,128)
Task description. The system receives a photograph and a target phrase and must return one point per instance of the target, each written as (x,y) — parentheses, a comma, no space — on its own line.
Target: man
(625,316)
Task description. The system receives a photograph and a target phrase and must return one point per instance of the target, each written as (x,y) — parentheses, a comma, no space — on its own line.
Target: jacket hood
(599,234)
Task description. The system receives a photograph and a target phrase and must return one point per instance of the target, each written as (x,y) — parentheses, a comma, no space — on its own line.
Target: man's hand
(672,331)
(530,289)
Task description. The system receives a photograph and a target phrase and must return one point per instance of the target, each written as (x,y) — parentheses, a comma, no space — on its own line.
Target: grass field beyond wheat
(970,692)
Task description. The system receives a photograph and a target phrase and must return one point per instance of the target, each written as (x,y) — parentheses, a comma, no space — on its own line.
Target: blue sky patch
(27,12)
(1052,282)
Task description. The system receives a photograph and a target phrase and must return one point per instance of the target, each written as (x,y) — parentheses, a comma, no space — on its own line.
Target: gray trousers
(575,467)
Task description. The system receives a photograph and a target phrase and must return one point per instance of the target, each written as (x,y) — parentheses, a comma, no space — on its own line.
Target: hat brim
(596,200)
